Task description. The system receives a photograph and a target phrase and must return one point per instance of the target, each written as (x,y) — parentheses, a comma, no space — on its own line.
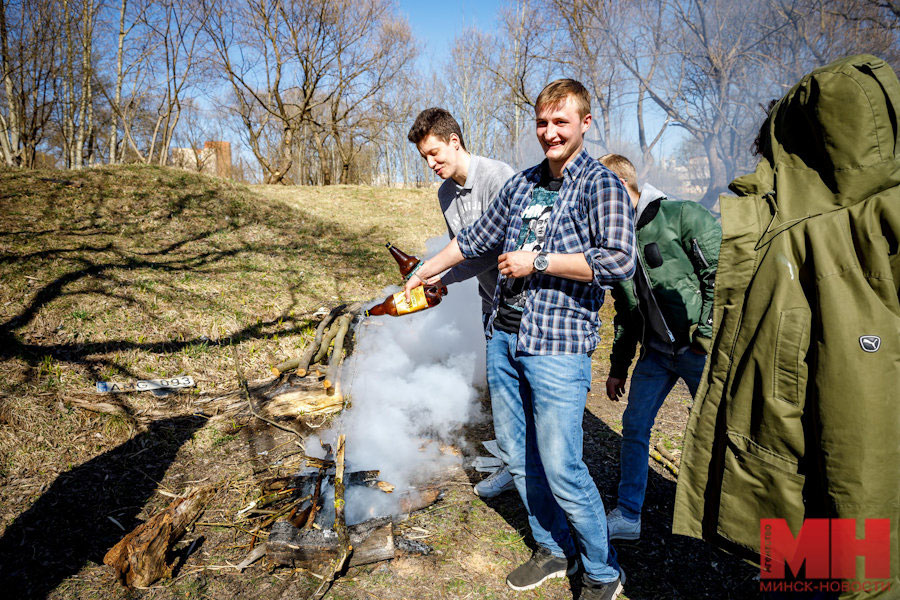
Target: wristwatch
(541,262)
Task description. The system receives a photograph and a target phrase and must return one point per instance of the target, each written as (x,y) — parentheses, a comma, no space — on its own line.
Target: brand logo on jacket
(870,343)
(827,550)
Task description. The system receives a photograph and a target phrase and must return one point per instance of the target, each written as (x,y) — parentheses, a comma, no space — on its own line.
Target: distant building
(692,175)
(213,159)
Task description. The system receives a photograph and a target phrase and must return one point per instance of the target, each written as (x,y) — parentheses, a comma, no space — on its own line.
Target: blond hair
(623,168)
(555,93)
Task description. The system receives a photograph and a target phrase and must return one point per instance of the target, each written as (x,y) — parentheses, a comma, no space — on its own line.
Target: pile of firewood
(323,355)
(287,522)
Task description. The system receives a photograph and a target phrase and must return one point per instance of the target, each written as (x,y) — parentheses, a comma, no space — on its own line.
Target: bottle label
(417,297)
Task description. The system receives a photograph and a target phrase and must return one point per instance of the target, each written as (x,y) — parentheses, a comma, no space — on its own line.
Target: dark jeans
(653,378)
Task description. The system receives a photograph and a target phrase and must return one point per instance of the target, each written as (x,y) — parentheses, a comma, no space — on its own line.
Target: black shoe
(540,567)
(591,590)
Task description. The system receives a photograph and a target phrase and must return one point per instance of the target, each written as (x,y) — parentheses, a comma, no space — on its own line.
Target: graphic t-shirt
(532,236)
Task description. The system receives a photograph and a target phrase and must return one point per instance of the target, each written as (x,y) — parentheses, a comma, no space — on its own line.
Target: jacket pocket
(757,484)
(791,341)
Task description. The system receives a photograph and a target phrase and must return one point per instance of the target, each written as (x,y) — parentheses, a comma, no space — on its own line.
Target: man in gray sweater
(470,184)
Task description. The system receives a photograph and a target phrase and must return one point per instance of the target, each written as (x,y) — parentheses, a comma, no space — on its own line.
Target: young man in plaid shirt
(565,231)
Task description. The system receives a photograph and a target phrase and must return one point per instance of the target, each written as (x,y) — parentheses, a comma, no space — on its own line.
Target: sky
(435,24)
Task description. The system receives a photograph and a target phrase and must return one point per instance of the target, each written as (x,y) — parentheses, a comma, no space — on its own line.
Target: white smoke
(414,382)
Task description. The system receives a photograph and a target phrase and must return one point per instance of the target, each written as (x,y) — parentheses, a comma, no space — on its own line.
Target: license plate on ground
(145,385)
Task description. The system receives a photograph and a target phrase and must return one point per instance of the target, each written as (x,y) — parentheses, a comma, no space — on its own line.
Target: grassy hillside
(142,272)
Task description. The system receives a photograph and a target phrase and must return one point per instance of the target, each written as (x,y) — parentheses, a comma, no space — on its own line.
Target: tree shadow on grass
(660,564)
(71,524)
(108,247)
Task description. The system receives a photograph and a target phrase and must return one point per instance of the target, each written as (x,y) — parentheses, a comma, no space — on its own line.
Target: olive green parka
(798,413)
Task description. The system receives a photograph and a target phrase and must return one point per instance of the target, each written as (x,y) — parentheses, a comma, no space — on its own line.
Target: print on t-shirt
(532,236)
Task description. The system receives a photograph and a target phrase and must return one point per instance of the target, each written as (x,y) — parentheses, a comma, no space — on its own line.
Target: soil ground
(140,272)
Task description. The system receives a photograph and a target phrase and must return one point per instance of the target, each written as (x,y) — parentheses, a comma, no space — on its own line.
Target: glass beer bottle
(421,297)
(408,264)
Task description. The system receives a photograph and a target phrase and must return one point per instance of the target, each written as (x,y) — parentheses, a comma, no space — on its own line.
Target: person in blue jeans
(565,232)
(667,306)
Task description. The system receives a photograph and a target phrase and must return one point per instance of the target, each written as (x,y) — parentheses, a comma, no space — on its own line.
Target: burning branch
(340,525)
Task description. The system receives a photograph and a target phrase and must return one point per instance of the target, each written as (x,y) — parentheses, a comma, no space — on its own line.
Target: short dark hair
(437,122)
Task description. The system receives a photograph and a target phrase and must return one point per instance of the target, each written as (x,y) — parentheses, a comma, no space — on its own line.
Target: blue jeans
(653,378)
(538,406)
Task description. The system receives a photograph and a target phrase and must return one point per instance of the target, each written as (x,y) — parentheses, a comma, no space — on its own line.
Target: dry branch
(140,557)
(326,342)
(337,354)
(340,525)
(100,407)
(302,363)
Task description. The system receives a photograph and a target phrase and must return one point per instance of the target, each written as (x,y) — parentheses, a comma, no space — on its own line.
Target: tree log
(304,403)
(326,342)
(140,557)
(314,549)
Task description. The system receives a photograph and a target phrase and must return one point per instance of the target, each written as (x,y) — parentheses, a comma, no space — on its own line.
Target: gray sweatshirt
(462,205)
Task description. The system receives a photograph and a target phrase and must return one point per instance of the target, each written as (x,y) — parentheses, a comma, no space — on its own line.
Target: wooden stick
(316,501)
(337,354)
(666,454)
(340,526)
(242,381)
(326,342)
(302,363)
(665,463)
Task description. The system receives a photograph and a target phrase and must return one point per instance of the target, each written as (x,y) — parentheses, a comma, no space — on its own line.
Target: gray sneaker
(621,528)
(498,482)
(592,590)
(539,568)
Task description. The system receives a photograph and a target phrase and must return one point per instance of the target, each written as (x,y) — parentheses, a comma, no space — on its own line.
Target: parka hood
(649,194)
(830,142)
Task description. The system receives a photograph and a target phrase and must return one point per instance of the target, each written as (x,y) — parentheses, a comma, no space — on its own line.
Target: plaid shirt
(594,216)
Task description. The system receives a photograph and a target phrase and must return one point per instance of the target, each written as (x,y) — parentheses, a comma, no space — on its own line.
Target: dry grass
(141,272)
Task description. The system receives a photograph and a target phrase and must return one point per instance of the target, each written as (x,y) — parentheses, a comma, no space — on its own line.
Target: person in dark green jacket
(667,307)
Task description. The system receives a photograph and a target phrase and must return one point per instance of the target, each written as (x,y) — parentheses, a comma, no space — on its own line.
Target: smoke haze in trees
(414,381)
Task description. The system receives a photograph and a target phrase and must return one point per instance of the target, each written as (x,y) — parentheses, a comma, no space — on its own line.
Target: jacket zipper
(655,305)
(695,246)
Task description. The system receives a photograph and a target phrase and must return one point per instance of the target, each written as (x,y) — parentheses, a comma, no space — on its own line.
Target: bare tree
(517,57)
(77,100)
(29,58)
(307,73)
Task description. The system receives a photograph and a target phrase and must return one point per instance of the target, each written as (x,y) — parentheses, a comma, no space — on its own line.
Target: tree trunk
(718,177)
(12,128)
(114,127)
